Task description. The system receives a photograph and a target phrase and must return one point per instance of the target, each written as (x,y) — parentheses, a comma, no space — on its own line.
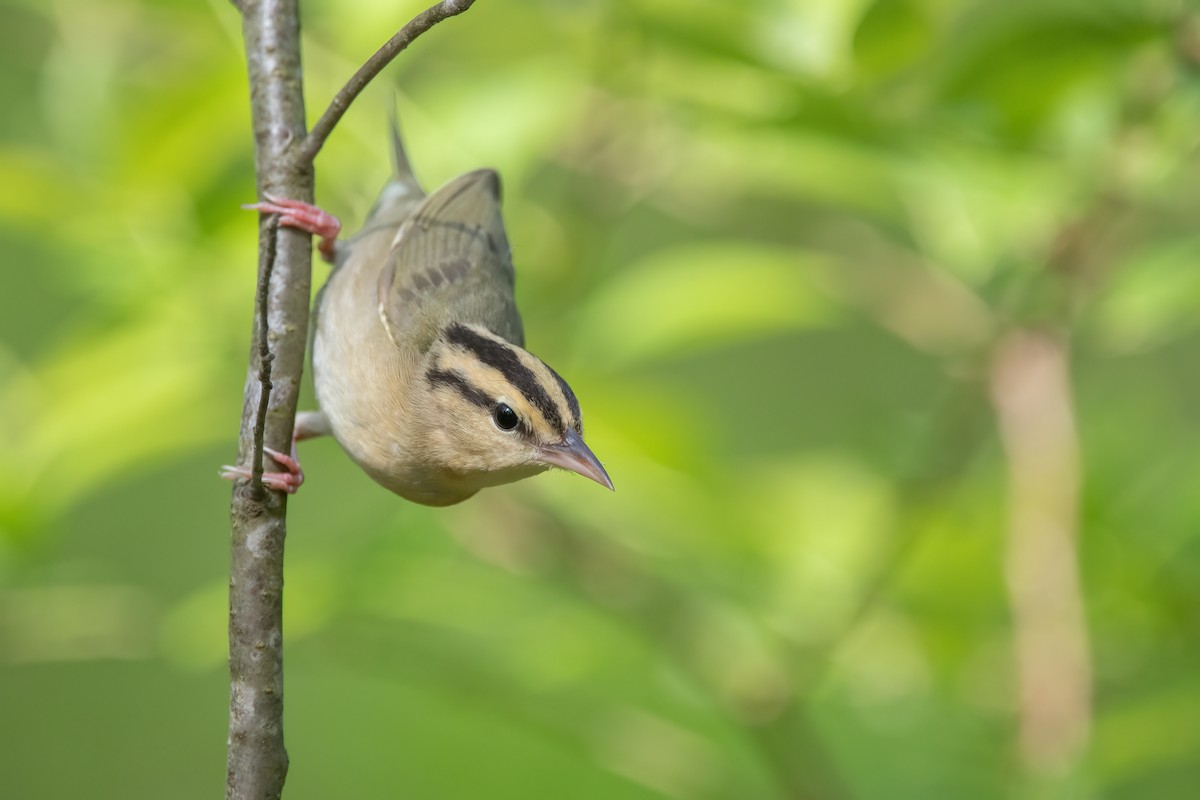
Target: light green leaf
(701,295)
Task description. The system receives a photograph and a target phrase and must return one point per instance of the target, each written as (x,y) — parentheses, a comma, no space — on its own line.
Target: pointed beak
(572,454)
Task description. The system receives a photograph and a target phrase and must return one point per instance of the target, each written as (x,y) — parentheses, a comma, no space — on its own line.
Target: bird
(418,349)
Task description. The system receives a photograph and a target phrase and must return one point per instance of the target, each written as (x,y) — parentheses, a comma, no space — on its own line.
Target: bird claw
(302,216)
(288,481)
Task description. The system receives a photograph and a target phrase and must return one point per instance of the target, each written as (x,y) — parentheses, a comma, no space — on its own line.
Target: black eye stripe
(569,396)
(458,382)
(501,358)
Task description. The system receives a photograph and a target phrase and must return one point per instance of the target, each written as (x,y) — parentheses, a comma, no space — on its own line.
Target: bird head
(496,413)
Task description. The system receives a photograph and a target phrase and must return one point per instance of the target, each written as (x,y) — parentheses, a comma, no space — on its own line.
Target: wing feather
(451,261)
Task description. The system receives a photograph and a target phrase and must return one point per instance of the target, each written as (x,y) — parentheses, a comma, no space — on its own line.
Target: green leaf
(701,295)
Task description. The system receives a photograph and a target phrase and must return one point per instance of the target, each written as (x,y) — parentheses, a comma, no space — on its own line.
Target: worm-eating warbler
(418,359)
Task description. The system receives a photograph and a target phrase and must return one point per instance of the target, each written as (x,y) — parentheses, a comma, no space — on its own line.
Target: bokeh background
(883,315)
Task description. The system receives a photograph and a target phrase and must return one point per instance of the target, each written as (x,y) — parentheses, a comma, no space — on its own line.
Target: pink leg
(305,217)
(288,481)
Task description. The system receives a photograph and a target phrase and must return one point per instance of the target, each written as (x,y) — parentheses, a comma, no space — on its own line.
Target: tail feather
(402,169)
(402,192)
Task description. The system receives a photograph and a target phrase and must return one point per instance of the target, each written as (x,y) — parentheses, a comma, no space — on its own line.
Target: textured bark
(258,763)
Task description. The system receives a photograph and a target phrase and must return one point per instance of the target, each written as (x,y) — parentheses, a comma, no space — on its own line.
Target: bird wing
(357,260)
(450,261)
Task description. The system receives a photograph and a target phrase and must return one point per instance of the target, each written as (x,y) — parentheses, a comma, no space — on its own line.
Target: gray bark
(257,764)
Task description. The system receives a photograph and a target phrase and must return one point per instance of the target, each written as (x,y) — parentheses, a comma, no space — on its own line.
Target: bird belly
(356,374)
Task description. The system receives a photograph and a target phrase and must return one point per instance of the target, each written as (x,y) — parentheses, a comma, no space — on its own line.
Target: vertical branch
(266,267)
(257,764)
(1031,392)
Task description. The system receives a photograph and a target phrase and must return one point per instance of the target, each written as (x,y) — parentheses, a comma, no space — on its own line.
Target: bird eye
(506,418)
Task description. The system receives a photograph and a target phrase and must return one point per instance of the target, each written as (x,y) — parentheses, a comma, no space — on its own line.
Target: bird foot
(288,481)
(305,217)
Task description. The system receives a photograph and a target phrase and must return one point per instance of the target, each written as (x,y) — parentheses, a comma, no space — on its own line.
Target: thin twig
(266,265)
(431,16)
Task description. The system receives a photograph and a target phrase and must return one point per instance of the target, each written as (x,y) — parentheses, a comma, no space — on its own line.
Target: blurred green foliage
(771,243)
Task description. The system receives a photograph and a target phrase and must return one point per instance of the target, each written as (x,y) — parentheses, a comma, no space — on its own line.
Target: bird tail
(402,169)
(402,192)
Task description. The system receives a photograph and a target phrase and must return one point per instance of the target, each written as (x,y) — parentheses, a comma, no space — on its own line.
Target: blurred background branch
(1031,391)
